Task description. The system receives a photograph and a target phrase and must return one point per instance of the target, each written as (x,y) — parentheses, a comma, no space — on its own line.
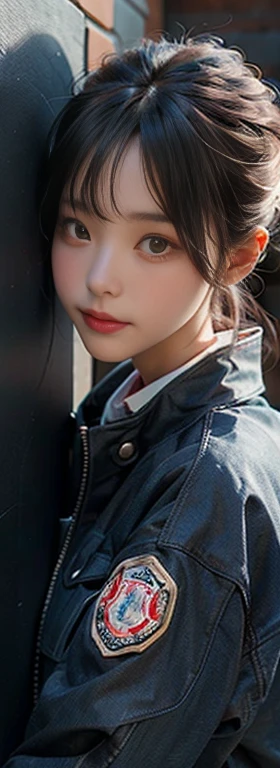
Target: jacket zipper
(83,432)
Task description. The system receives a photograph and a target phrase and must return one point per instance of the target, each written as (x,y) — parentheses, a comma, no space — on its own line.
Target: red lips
(101,321)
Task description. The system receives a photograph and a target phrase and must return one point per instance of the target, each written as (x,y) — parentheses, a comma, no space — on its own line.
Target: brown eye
(75,229)
(155,246)
(158,244)
(81,232)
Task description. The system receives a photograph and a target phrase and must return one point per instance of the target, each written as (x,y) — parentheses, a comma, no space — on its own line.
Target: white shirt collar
(140,398)
(121,402)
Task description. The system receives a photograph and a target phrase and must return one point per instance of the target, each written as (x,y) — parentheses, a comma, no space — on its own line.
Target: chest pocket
(75,589)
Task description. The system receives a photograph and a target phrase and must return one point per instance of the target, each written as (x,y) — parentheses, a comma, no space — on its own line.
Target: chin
(105,356)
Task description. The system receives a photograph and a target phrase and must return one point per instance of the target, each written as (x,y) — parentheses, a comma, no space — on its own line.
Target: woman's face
(133,268)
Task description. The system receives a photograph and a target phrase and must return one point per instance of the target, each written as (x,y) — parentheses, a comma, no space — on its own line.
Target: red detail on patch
(154,614)
(129,606)
(114,588)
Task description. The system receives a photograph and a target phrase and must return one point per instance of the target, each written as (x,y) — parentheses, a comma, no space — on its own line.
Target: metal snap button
(126,450)
(75,573)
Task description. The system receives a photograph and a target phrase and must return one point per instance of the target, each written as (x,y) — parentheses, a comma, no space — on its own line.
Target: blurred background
(252,25)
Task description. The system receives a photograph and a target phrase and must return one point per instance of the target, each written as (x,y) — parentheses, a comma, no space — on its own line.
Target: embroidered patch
(135,607)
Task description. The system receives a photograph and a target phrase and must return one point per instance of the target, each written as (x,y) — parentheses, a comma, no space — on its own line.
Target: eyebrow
(147,216)
(131,216)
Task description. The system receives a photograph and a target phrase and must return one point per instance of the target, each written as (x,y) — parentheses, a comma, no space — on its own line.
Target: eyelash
(64,222)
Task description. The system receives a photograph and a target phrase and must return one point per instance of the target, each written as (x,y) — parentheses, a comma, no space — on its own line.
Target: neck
(176,350)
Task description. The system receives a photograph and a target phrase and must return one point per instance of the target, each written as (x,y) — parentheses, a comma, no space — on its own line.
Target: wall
(43,46)
(111,25)
(156,18)
(118,24)
(251,24)
(41,50)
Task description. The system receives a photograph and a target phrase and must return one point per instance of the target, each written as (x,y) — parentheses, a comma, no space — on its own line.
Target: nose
(103,275)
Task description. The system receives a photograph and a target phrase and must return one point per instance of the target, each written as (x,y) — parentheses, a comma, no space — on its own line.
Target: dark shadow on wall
(35,372)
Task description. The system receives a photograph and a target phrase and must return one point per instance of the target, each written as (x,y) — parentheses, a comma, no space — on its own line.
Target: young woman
(160,636)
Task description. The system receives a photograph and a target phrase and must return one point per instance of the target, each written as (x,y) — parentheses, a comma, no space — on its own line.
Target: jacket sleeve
(164,697)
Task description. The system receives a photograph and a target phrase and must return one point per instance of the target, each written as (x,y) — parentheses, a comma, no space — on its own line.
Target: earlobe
(244,259)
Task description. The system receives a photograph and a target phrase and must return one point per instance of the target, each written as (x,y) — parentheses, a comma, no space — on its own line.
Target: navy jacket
(160,637)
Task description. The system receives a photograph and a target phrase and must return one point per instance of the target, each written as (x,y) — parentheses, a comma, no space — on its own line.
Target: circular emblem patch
(135,607)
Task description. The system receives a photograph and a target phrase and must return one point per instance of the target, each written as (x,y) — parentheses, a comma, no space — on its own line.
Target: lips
(101,322)
(100,315)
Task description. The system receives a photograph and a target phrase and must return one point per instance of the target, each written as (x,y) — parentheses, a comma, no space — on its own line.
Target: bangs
(91,183)
(88,141)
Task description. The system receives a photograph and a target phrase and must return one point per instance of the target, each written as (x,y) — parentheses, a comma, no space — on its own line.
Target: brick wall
(115,24)
(155,19)
(252,25)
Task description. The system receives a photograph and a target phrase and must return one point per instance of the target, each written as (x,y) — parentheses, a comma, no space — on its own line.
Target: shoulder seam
(162,539)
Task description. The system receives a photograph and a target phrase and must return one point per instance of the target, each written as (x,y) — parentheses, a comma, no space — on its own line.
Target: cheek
(189,291)
(64,271)
(174,295)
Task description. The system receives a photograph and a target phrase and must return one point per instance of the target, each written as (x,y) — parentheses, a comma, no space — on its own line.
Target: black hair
(209,133)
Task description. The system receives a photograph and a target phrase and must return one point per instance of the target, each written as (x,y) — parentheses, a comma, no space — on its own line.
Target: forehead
(121,190)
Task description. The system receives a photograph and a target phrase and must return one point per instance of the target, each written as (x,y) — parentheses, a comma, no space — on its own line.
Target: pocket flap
(82,570)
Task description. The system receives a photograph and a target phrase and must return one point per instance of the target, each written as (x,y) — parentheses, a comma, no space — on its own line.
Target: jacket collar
(226,377)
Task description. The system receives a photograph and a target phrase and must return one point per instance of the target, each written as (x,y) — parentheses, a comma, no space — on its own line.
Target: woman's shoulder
(245,441)
(227,514)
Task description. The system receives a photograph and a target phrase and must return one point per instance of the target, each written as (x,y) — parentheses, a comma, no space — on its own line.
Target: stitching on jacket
(166,531)
(211,568)
(111,757)
(192,686)
(256,662)
(117,750)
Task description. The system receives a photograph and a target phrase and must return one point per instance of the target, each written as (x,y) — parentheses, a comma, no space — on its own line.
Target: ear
(244,258)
